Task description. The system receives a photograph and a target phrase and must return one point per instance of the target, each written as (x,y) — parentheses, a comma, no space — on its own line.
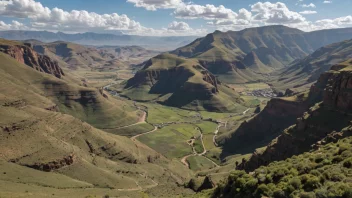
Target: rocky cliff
(279,114)
(26,55)
(325,118)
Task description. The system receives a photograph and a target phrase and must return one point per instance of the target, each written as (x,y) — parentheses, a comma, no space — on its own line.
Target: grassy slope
(32,136)
(20,82)
(306,71)
(180,82)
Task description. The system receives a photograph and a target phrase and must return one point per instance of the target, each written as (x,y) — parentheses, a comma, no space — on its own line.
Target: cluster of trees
(324,173)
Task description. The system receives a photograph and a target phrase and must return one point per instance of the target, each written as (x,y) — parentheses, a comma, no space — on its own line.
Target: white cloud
(175,28)
(43,17)
(305,12)
(275,13)
(327,1)
(156,4)
(207,12)
(15,25)
(311,5)
(334,23)
(183,26)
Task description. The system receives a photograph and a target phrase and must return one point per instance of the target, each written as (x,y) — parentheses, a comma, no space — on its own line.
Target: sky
(171,17)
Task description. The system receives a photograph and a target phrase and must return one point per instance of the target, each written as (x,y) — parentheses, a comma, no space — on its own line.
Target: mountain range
(250,55)
(89,38)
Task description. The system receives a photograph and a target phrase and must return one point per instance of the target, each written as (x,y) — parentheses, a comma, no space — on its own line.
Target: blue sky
(171,17)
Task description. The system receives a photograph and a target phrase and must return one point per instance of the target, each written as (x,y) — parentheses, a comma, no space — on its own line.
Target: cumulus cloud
(327,1)
(15,25)
(156,4)
(207,12)
(275,13)
(183,26)
(43,17)
(175,28)
(311,5)
(334,23)
(305,12)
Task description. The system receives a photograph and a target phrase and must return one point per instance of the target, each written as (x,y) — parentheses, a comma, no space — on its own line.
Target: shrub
(347,193)
(262,190)
(307,195)
(251,185)
(315,173)
(296,183)
(337,159)
(312,183)
(347,163)
(321,193)
(337,190)
(278,193)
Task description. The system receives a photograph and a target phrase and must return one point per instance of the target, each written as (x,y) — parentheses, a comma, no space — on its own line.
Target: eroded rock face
(338,92)
(26,55)
(275,117)
(54,165)
(322,120)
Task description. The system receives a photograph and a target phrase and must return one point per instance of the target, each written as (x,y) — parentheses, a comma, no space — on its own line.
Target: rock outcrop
(26,55)
(279,114)
(54,165)
(322,120)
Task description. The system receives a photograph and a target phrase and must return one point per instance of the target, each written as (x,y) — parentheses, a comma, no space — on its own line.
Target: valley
(261,112)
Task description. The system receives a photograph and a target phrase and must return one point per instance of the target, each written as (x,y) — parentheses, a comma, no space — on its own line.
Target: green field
(171,141)
(207,127)
(197,163)
(132,130)
(161,114)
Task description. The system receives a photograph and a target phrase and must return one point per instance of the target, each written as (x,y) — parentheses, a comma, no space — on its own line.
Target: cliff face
(26,55)
(257,132)
(325,118)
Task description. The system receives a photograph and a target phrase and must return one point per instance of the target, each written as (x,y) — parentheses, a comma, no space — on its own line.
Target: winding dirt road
(136,136)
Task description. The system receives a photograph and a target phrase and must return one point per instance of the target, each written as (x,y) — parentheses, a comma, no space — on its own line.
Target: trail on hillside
(141,120)
(184,159)
(136,136)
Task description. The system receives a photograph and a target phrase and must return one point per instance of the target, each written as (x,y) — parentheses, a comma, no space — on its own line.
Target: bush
(278,193)
(337,159)
(312,183)
(307,195)
(262,190)
(251,185)
(296,183)
(347,193)
(321,193)
(347,163)
(338,190)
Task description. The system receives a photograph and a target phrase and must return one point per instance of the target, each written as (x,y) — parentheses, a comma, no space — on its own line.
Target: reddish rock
(26,55)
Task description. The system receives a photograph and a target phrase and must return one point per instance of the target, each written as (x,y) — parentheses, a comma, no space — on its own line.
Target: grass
(161,114)
(102,162)
(198,146)
(198,163)
(207,127)
(171,141)
(132,130)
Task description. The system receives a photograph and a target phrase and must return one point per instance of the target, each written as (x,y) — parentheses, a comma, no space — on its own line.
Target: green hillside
(183,83)
(306,71)
(244,56)
(45,151)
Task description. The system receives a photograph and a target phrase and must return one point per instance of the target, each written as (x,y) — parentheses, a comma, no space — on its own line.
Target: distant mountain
(243,56)
(129,53)
(306,71)
(89,38)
